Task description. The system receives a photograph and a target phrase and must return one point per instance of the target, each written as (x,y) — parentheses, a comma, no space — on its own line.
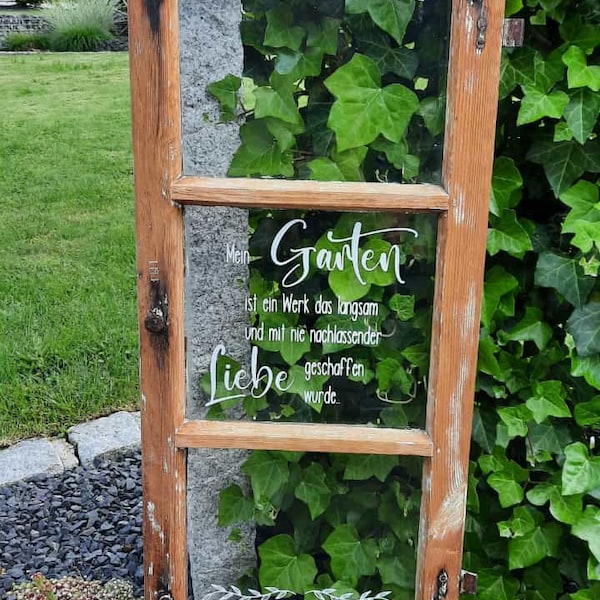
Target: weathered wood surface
(298,194)
(468,156)
(154,69)
(298,437)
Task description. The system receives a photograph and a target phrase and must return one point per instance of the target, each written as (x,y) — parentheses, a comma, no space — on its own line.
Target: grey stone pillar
(215,291)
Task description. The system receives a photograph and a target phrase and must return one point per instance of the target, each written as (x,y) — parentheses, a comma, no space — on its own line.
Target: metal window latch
(513,33)
(468,582)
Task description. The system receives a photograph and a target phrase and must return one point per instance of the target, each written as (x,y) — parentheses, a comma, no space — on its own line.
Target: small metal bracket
(482,25)
(442,585)
(513,33)
(468,582)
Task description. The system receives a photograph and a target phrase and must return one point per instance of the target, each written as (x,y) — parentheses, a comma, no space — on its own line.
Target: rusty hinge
(468,582)
(513,33)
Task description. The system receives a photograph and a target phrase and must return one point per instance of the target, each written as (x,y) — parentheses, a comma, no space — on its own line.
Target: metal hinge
(468,582)
(513,33)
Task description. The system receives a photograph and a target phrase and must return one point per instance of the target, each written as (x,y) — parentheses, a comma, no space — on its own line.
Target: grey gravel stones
(85,521)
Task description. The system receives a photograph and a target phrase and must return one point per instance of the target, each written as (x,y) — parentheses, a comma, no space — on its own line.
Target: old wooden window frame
(462,205)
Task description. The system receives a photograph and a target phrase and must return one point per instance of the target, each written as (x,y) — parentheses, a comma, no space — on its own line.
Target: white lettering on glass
(256,383)
(349,252)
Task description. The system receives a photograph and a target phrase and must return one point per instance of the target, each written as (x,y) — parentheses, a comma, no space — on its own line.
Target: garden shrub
(30,3)
(19,42)
(78,38)
(81,25)
(533,526)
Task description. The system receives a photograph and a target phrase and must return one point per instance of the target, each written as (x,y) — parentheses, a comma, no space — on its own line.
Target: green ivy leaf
(581,113)
(403,306)
(587,528)
(580,473)
(536,105)
(282,568)
(484,429)
(351,556)
(548,401)
(495,584)
(345,285)
(507,483)
(588,413)
(390,15)
(364,466)
(588,368)
(508,77)
(399,155)
(584,217)
(584,326)
(521,523)
(506,185)
(268,473)
(278,103)
(566,509)
(324,169)
(579,74)
(530,69)
(532,548)
(234,506)
(363,109)
(324,35)
(226,92)
(297,64)
(486,360)
(280,31)
(313,490)
(508,234)
(498,284)
(389,59)
(564,162)
(578,33)
(260,153)
(397,570)
(293,350)
(564,275)
(433,111)
(390,373)
(531,328)
(512,7)
(547,440)
(516,419)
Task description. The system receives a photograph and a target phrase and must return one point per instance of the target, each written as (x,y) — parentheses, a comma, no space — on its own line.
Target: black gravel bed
(86,522)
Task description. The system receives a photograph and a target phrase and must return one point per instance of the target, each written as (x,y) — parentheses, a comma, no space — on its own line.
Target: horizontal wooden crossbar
(303,437)
(310,195)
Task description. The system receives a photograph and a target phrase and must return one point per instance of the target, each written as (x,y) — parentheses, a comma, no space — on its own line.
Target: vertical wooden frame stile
(474,66)
(156,120)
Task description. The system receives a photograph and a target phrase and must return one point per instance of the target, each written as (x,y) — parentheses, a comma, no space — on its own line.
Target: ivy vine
(352,91)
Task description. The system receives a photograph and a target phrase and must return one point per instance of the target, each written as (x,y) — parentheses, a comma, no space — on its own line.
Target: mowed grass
(68,337)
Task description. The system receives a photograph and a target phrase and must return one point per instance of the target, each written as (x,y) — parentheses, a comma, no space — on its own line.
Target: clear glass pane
(332,90)
(305,525)
(335,319)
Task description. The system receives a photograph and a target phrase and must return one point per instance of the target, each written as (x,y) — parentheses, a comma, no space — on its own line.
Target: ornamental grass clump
(81,25)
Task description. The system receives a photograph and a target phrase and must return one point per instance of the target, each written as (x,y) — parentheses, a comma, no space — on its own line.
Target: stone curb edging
(85,443)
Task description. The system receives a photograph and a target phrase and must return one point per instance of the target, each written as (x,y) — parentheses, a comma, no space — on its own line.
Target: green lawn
(68,340)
